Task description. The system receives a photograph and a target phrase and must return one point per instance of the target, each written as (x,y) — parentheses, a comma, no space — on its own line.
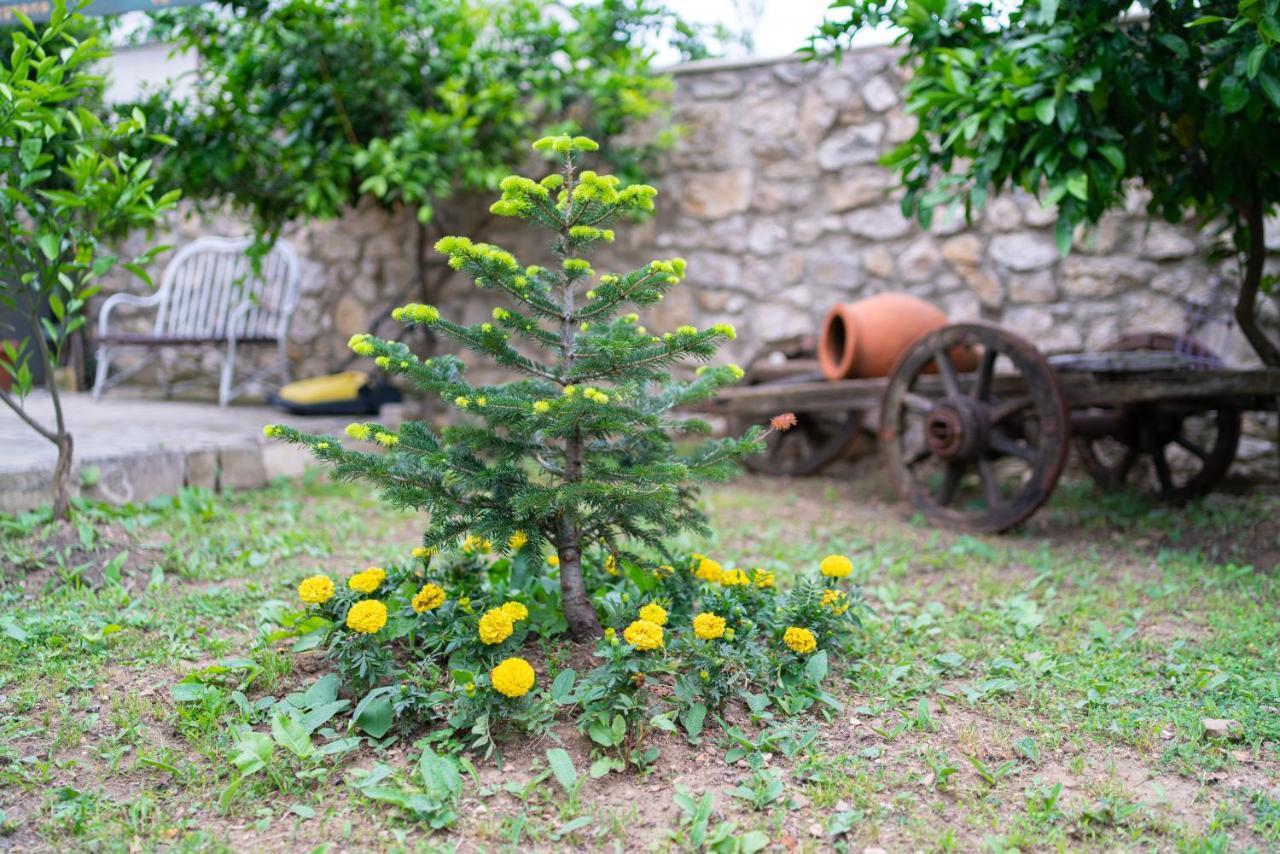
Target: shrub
(577,453)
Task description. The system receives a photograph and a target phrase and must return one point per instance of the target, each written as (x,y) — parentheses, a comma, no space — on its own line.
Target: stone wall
(775,198)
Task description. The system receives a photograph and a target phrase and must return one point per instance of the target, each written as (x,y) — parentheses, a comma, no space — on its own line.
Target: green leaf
(252,752)
(816,667)
(562,687)
(1253,64)
(374,714)
(1234,95)
(1114,156)
(1046,108)
(1078,185)
(290,734)
(49,245)
(562,767)
(693,719)
(439,776)
(1270,88)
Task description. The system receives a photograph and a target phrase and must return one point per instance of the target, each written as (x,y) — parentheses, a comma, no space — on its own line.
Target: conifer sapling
(579,451)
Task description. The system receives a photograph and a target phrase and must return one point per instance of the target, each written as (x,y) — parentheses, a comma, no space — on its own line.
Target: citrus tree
(69,184)
(1072,101)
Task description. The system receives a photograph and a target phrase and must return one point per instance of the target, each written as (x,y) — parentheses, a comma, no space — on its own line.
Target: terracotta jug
(866,337)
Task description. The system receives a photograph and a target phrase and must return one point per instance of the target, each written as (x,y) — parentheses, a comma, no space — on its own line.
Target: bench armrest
(124,299)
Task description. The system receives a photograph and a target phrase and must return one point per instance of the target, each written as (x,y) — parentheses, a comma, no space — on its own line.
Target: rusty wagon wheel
(982,451)
(1169,450)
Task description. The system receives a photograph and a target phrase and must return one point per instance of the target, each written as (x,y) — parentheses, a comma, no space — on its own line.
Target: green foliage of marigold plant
(579,452)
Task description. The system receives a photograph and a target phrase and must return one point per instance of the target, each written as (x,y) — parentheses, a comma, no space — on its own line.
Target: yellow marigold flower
(762,578)
(475,544)
(553,560)
(799,640)
(516,611)
(513,677)
(430,597)
(643,635)
(423,552)
(836,566)
(367,616)
(367,581)
(709,570)
(517,540)
(734,578)
(708,626)
(495,626)
(836,601)
(654,613)
(316,590)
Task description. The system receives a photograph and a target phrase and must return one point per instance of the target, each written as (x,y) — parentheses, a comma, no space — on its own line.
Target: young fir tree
(579,452)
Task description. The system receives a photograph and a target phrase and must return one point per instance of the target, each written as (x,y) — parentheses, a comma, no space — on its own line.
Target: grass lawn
(1042,690)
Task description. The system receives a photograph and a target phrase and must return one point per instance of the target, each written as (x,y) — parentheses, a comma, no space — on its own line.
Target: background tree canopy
(301,109)
(1072,100)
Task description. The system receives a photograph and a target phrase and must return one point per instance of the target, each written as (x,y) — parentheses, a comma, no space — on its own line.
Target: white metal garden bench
(210,295)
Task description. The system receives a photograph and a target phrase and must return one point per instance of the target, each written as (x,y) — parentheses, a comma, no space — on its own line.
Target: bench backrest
(209,277)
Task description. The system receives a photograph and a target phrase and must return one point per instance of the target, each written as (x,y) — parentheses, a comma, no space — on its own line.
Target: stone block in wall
(715,86)
(963,250)
(1162,243)
(1038,287)
(852,146)
(1037,324)
(879,94)
(856,189)
(1099,276)
(1103,237)
(984,284)
(885,222)
(817,116)
(878,261)
(1023,251)
(1003,214)
(715,195)
(714,268)
(919,261)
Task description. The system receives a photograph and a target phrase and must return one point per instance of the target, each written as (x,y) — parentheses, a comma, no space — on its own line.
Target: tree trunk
(62,480)
(578,610)
(1247,302)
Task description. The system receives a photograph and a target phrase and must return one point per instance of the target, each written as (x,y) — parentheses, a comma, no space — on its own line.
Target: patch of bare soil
(58,555)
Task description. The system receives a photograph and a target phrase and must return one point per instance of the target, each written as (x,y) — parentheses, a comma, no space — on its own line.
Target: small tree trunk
(578,610)
(1246,303)
(62,479)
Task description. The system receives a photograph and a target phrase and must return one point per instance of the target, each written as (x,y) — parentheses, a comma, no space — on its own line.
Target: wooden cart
(982,451)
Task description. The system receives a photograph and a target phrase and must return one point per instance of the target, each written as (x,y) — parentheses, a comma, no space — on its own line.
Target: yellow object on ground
(325,389)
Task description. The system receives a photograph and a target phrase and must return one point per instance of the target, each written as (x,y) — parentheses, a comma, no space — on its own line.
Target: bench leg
(228,373)
(100,378)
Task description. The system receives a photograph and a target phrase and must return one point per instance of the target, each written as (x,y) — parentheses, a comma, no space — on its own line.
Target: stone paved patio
(134,449)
